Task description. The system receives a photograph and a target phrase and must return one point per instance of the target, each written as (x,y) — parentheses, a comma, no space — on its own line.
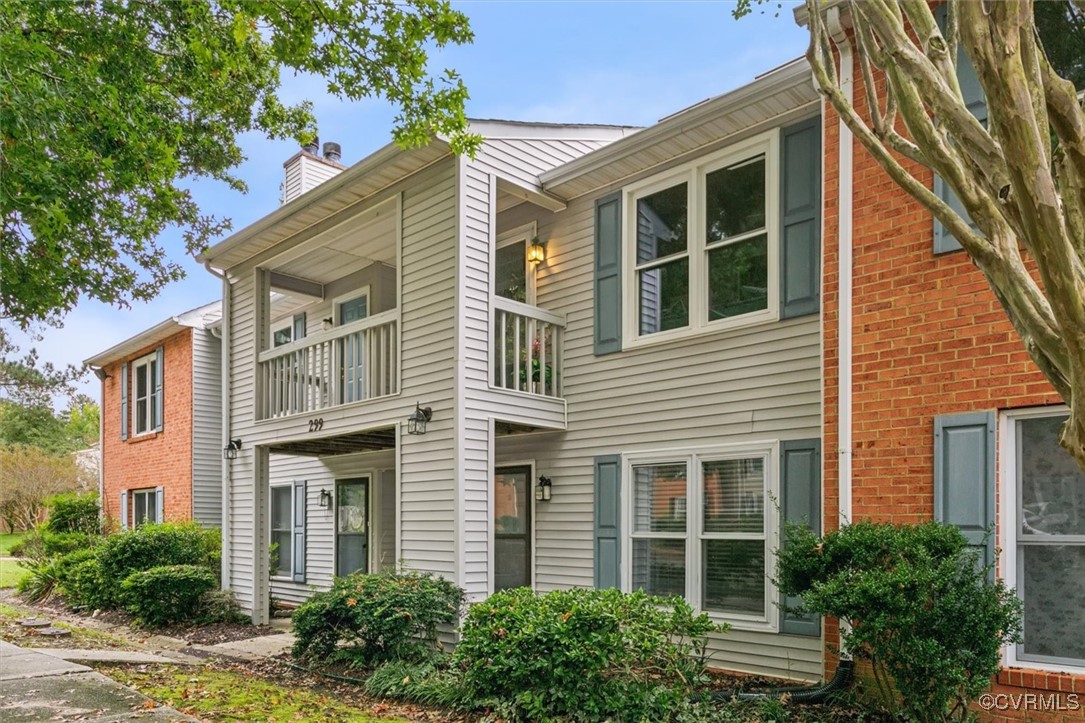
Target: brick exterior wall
(162,459)
(929,338)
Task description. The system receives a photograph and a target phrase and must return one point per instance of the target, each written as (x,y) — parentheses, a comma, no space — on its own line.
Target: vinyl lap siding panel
(754,384)
(206,428)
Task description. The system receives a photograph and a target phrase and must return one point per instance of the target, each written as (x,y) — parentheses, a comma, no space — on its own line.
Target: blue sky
(590,62)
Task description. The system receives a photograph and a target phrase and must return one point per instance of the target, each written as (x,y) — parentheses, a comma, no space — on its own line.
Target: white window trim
(1009,502)
(351,296)
(525,233)
(286,324)
(144,361)
(289,576)
(693,457)
(152,492)
(693,174)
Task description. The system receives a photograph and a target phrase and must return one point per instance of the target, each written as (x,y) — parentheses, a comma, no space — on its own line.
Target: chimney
(307,169)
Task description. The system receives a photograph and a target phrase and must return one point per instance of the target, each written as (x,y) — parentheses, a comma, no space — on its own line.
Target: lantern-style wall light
(536,252)
(325,499)
(230,450)
(544,489)
(416,423)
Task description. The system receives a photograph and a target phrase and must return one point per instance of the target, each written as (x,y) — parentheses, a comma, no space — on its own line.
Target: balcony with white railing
(527,349)
(354,362)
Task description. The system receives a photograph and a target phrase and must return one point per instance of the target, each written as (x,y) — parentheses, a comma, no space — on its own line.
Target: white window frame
(282,325)
(693,175)
(152,507)
(1009,496)
(693,457)
(152,426)
(524,233)
(352,296)
(277,575)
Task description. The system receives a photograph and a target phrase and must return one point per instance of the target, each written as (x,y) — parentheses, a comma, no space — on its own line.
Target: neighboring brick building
(161,422)
(948,417)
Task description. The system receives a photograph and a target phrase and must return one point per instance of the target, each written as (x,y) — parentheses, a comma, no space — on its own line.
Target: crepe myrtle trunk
(1020,177)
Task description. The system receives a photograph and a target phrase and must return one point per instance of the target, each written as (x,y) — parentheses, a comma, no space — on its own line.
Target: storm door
(512,527)
(351,526)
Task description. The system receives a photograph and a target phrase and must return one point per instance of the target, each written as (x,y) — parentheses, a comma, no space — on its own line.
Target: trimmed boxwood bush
(84,584)
(65,543)
(379,617)
(167,594)
(150,546)
(582,654)
(922,609)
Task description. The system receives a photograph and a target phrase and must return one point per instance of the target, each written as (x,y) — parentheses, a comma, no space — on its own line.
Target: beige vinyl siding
(427,481)
(523,159)
(754,384)
(206,428)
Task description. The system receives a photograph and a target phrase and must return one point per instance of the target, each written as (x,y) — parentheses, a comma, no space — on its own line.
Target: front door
(512,527)
(351,526)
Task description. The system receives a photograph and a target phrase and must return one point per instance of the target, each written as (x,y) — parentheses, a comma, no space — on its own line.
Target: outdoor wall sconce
(536,252)
(101,374)
(544,489)
(230,451)
(416,423)
(326,324)
(325,499)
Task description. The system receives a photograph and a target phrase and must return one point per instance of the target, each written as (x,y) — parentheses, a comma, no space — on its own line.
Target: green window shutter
(124,401)
(124,509)
(972,92)
(800,219)
(608,274)
(158,401)
(608,515)
(300,492)
(800,504)
(299,326)
(964,476)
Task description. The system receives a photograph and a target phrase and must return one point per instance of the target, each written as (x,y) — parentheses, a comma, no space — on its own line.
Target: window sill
(760,318)
(746,625)
(282,578)
(145,437)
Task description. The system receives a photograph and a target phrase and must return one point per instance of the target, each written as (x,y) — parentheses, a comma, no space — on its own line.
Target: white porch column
(261,595)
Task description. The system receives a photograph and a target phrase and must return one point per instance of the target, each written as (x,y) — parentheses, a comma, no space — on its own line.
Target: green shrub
(150,546)
(58,544)
(31,546)
(582,654)
(84,584)
(428,683)
(921,609)
(219,606)
(40,582)
(73,513)
(384,616)
(167,594)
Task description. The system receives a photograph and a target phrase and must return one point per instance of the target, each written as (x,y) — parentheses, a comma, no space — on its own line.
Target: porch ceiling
(351,246)
(353,443)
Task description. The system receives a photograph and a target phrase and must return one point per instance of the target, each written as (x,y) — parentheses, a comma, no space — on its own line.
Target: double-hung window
(145,410)
(700,528)
(701,243)
(144,507)
(1046,545)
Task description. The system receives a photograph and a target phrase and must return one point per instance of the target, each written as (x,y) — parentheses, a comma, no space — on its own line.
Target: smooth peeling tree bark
(1020,178)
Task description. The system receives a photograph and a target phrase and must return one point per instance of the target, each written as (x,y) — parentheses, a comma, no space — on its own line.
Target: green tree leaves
(108,106)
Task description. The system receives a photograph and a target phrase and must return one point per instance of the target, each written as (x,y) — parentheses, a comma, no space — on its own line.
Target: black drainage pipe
(845,671)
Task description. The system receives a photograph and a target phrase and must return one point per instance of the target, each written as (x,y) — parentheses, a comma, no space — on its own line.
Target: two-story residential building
(933,408)
(161,411)
(588,356)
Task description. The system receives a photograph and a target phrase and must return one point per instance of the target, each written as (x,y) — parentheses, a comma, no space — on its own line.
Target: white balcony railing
(527,348)
(349,363)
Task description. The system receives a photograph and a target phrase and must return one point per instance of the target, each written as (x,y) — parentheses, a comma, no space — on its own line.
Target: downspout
(101,459)
(845,182)
(224,397)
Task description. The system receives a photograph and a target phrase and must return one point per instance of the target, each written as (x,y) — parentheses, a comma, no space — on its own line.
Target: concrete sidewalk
(36,686)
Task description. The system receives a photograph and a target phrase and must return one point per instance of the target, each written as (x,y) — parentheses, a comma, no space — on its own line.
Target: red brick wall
(929,338)
(162,459)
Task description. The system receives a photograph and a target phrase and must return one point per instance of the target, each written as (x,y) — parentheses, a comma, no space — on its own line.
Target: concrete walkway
(35,686)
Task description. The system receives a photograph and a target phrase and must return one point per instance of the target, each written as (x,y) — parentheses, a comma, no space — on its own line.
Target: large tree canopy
(1020,177)
(107,105)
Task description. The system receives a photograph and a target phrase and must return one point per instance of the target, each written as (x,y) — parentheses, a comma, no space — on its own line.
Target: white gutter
(845,175)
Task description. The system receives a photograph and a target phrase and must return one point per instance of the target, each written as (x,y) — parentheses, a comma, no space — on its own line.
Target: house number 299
(315,425)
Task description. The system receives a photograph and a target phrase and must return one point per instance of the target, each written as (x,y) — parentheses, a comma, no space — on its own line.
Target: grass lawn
(10,540)
(11,573)
(213,693)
